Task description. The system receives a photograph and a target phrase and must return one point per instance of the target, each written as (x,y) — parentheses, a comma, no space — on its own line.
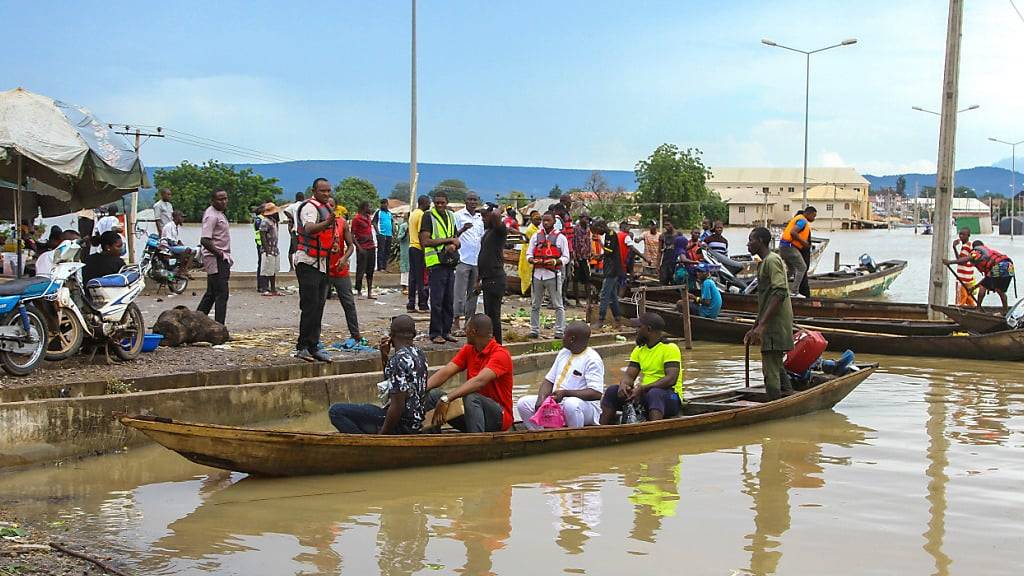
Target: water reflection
(938,447)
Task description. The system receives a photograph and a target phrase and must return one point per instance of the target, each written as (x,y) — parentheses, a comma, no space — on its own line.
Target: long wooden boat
(1007,345)
(283,453)
(835,308)
(973,321)
(859,282)
(872,325)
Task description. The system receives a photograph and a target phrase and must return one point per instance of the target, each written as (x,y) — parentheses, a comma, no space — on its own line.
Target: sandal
(459,333)
(449,338)
(438,340)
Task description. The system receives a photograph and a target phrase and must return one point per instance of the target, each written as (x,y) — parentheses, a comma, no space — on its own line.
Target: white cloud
(831,159)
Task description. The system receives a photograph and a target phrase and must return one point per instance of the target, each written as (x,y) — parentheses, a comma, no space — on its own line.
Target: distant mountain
(488,181)
(982,179)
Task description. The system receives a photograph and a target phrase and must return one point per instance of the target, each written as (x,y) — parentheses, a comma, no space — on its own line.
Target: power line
(224,149)
(218,145)
(1015,9)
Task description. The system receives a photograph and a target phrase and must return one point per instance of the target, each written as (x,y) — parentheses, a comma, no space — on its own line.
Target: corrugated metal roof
(959,204)
(842,175)
(745,196)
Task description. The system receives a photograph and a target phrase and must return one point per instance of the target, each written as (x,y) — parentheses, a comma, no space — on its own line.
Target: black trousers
(581,275)
(262,282)
(216,296)
(493,290)
(805,285)
(417,286)
(364,267)
(481,414)
(313,288)
(383,251)
(442,300)
(343,286)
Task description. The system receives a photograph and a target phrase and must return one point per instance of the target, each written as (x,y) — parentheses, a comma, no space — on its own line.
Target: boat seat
(23,285)
(113,280)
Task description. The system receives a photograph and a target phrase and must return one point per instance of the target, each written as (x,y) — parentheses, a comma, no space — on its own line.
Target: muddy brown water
(917,472)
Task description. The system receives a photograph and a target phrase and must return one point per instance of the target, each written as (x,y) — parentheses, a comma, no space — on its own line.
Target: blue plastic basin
(151,341)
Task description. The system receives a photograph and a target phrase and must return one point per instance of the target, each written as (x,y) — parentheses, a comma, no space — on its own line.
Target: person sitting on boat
(487,392)
(996,266)
(575,381)
(965,285)
(403,392)
(661,364)
(709,302)
(774,325)
(716,241)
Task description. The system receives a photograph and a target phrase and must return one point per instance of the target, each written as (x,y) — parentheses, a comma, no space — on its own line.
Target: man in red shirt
(487,392)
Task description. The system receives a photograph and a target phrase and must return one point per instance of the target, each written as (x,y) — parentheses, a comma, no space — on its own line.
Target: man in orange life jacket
(996,266)
(794,244)
(315,232)
(549,254)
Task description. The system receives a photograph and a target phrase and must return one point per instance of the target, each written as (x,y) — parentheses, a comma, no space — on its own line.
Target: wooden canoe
(837,308)
(282,453)
(1007,345)
(973,321)
(872,325)
(859,282)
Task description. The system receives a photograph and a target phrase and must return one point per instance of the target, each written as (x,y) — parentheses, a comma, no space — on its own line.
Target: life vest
(596,252)
(799,239)
(546,248)
(256,221)
(316,245)
(568,232)
(510,223)
(623,249)
(984,258)
(693,250)
(441,227)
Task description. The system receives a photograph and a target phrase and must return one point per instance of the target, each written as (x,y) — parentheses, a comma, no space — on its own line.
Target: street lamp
(919,109)
(807,89)
(1013,180)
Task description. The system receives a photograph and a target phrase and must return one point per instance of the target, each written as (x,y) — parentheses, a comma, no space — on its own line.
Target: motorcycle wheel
(66,340)
(128,341)
(179,285)
(23,364)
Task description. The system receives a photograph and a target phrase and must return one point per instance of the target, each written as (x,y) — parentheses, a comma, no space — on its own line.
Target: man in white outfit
(575,380)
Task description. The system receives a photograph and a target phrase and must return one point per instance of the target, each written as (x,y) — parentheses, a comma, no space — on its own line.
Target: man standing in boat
(964,271)
(997,268)
(403,392)
(660,363)
(487,392)
(795,246)
(774,325)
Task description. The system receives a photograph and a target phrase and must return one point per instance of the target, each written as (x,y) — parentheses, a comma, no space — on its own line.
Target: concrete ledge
(40,431)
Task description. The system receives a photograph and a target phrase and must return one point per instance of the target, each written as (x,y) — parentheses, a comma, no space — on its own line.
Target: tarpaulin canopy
(67,156)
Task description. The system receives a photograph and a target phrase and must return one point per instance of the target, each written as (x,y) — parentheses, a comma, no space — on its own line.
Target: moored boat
(974,321)
(283,453)
(862,281)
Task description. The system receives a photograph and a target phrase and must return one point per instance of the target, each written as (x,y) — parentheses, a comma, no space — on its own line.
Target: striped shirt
(965,271)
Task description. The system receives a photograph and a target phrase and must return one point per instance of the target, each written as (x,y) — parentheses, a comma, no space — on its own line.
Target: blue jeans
(357,418)
(609,297)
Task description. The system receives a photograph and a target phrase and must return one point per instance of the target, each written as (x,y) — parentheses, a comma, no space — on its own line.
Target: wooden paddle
(962,283)
(746,361)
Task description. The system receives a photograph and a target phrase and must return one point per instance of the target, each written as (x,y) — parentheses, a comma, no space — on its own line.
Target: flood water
(918,471)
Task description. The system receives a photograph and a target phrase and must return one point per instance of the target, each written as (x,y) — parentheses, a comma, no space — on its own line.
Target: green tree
(901,186)
(455,188)
(596,183)
(964,192)
(514,198)
(672,176)
(400,192)
(555,192)
(192,185)
(352,191)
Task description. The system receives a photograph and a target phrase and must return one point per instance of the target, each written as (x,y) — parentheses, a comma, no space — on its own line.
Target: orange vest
(799,239)
(316,245)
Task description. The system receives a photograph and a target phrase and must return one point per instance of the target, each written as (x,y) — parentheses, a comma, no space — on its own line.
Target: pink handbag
(549,415)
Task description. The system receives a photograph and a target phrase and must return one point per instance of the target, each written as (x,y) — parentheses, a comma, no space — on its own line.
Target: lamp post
(807,89)
(1013,181)
(927,111)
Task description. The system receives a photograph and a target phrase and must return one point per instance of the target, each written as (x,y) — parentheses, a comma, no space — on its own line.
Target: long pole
(807,113)
(413,176)
(1013,189)
(938,293)
(133,213)
(17,219)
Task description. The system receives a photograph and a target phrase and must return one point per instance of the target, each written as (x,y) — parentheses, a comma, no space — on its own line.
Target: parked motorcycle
(103,309)
(23,334)
(160,264)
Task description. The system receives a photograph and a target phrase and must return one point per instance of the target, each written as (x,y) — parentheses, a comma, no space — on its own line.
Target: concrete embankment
(35,431)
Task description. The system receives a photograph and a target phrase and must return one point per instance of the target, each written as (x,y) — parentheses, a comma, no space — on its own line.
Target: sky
(574,84)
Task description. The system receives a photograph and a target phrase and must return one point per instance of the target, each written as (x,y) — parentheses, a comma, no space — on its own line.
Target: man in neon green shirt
(660,363)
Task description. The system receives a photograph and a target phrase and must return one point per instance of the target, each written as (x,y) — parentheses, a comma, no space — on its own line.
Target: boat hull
(974,321)
(840,285)
(280,453)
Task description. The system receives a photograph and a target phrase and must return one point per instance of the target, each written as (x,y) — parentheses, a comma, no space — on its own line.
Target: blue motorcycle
(23,337)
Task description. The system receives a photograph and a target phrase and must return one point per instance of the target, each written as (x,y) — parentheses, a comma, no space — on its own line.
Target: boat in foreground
(283,453)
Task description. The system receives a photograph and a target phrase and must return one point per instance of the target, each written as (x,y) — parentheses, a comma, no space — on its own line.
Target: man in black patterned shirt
(402,393)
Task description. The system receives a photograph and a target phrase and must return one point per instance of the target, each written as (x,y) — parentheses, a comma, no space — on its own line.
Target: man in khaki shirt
(774,325)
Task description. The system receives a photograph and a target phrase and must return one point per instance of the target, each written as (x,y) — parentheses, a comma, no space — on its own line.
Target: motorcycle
(160,264)
(23,334)
(103,309)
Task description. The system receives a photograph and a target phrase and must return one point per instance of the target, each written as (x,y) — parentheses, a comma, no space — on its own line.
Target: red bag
(807,348)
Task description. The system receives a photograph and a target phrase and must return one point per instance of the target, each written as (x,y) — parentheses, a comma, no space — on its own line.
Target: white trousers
(578,413)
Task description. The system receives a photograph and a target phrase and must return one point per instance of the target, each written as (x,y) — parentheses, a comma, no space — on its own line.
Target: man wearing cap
(774,325)
(268,241)
(709,303)
(660,363)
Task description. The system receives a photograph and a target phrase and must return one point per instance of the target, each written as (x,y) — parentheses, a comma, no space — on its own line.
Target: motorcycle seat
(23,285)
(113,280)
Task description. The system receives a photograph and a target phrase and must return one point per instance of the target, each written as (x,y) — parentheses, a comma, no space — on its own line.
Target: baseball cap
(652,320)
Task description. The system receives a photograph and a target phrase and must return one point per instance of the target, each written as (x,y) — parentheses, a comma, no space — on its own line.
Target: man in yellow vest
(795,243)
(440,241)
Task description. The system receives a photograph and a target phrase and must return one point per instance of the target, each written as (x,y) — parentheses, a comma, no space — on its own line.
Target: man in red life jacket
(339,275)
(549,254)
(996,266)
(315,233)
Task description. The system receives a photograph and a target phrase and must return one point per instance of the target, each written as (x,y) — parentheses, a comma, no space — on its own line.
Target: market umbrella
(62,153)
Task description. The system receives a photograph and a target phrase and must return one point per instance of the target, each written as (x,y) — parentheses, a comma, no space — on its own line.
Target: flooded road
(918,471)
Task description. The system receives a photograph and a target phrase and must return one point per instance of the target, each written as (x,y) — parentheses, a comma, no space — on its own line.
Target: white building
(968,212)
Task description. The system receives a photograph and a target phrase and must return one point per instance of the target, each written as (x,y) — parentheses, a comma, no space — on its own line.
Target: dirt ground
(25,549)
(263,331)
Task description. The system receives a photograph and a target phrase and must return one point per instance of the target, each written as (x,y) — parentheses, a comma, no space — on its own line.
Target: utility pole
(413,174)
(938,293)
(131,215)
